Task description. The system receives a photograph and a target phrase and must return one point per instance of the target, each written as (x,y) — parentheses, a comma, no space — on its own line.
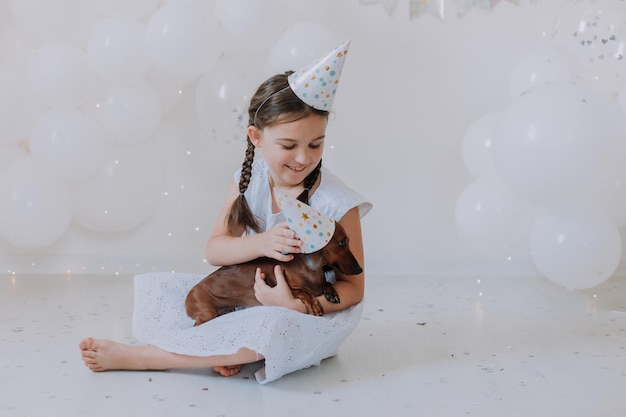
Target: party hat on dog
(312,227)
(316,84)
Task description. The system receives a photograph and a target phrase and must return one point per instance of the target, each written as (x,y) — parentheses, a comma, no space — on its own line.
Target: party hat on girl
(312,227)
(316,84)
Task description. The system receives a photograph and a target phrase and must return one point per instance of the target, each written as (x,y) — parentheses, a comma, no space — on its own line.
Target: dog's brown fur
(232,286)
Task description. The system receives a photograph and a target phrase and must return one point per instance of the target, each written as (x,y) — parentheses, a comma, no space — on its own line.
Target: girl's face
(292,149)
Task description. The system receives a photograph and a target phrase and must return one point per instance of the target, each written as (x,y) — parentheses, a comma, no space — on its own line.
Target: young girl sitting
(287,121)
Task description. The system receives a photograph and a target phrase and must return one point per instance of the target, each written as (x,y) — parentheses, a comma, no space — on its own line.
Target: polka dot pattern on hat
(316,85)
(312,227)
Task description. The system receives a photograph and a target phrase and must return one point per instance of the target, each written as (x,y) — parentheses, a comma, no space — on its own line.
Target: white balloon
(301,44)
(621,99)
(595,31)
(304,9)
(67,145)
(124,193)
(181,41)
(621,102)
(608,193)
(477,143)
(617,112)
(130,114)
(10,153)
(222,100)
(15,47)
(35,210)
(541,66)
(168,89)
(132,8)
(243,20)
(551,141)
(54,21)
(575,248)
(18,106)
(490,218)
(60,76)
(117,49)
(612,195)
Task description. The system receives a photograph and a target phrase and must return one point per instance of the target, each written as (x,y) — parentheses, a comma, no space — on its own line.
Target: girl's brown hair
(274,102)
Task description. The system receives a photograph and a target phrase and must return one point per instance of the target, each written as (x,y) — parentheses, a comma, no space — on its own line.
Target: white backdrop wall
(410,90)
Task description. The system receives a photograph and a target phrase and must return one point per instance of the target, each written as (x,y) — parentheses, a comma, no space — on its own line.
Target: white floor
(427,346)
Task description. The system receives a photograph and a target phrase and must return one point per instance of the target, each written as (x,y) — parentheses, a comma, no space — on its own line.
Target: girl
(287,122)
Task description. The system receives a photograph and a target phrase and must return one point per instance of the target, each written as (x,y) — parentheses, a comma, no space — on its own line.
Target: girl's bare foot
(227,370)
(105,355)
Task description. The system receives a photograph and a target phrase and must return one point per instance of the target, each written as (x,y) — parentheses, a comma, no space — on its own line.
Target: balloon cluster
(550,167)
(86,84)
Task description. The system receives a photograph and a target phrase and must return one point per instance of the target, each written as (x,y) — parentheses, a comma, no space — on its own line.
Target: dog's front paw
(331,295)
(311,303)
(314,307)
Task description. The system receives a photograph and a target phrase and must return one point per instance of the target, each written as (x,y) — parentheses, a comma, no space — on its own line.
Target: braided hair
(274,102)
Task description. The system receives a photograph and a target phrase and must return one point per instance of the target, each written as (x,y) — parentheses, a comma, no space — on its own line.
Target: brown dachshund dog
(232,286)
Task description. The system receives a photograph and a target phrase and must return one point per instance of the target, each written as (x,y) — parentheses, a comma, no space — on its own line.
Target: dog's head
(314,228)
(337,254)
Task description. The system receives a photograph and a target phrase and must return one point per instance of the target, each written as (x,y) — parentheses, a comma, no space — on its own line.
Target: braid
(240,213)
(246,168)
(309,182)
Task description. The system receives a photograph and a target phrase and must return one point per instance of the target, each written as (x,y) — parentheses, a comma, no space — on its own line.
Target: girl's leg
(106,355)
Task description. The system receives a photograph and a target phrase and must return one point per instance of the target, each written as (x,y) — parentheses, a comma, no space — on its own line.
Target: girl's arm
(225,248)
(350,288)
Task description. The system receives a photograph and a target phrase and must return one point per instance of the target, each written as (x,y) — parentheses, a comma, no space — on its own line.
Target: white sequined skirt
(288,340)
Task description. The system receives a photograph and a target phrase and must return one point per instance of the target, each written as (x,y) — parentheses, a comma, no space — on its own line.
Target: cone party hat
(316,84)
(312,227)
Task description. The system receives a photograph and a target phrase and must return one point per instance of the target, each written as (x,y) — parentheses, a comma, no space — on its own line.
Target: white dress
(288,340)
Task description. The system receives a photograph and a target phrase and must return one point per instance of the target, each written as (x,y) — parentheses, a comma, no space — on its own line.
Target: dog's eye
(342,243)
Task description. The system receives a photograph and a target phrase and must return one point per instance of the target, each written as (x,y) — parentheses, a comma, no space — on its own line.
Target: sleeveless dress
(288,340)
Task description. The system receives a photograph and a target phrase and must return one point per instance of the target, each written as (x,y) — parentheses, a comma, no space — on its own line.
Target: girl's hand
(280,242)
(280,295)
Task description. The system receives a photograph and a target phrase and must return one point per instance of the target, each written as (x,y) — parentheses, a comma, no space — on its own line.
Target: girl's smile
(292,149)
